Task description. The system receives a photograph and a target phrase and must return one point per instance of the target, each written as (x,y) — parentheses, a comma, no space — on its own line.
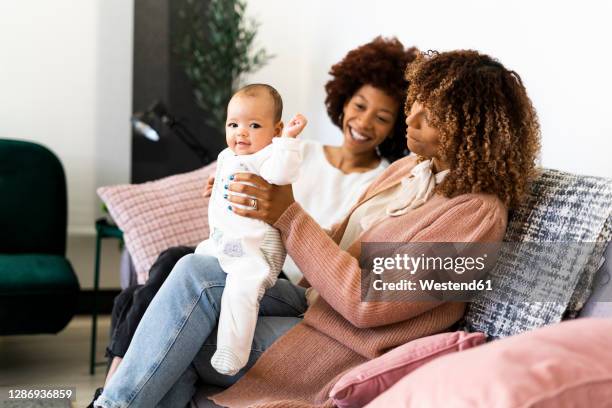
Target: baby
(249,251)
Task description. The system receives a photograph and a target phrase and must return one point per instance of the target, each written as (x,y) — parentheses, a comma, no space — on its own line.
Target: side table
(103,230)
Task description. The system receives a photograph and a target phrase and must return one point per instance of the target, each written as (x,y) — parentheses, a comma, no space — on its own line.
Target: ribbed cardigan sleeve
(336,274)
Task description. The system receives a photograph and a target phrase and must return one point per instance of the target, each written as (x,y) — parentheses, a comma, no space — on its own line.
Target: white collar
(416,188)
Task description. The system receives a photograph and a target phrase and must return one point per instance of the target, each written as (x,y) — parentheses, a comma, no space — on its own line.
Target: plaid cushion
(157,215)
(560,208)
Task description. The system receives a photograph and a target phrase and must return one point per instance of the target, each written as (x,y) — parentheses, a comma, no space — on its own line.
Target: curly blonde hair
(489,130)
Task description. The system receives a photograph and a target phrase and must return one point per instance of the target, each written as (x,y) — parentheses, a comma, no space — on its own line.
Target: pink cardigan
(340,331)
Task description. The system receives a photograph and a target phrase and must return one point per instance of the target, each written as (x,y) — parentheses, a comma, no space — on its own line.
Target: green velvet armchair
(38,287)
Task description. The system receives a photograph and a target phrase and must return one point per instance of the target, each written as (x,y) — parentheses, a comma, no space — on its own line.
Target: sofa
(561,209)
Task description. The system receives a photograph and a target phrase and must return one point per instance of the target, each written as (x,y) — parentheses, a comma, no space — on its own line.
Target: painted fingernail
(225,196)
(225,186)
(231,177)
(229,207)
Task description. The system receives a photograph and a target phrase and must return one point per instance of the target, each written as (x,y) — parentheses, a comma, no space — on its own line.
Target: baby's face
(250,123)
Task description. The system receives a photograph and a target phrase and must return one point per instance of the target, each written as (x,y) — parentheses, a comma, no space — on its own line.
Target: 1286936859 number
(39,393)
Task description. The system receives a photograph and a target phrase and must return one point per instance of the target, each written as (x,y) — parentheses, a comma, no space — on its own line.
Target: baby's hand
(209,186)
(295,126)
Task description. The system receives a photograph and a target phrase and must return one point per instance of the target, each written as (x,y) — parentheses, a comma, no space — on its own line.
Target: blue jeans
(176,337)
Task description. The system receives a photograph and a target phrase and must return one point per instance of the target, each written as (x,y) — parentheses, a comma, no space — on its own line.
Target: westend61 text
(429,285)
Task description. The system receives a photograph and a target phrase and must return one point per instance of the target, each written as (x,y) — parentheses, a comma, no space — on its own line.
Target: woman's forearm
(335,274)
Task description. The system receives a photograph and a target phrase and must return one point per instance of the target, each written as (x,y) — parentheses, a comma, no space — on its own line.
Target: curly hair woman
(472,128)
(370,69)
(364,100)
(481,113)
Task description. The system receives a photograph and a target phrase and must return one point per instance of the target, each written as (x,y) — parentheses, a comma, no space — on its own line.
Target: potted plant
(216,47)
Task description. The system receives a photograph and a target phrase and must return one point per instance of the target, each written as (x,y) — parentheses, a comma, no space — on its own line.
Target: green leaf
(215,48)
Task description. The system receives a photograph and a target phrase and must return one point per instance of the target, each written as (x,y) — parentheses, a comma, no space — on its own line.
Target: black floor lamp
(148,124)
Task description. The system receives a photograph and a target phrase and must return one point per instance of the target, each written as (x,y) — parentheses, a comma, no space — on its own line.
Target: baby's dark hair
(254,89)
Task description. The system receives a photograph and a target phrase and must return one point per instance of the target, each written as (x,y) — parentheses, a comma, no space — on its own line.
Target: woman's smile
(368,118)
(358,136)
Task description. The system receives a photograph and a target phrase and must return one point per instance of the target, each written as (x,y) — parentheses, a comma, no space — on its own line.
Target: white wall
(65,82)
(561,50)
(66,66)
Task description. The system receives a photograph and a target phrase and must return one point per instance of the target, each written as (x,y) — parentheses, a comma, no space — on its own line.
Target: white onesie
(250,251)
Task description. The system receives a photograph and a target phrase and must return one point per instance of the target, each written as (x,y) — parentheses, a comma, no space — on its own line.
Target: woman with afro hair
(364,100)
(377,69)
(475,137)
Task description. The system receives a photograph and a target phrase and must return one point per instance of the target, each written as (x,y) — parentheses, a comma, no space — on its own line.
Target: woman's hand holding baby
(209,186)
(295,126)
(271,200)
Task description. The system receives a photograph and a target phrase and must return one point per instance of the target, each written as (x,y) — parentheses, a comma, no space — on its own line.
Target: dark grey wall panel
(158,75)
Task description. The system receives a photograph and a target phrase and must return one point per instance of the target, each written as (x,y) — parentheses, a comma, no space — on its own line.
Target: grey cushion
(600,302)
(560,207)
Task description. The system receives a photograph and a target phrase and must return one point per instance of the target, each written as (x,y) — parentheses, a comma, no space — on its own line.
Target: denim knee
(202,268)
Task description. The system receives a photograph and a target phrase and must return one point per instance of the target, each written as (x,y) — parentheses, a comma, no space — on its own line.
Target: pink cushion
(564,365)
(157,215)
(366,381)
